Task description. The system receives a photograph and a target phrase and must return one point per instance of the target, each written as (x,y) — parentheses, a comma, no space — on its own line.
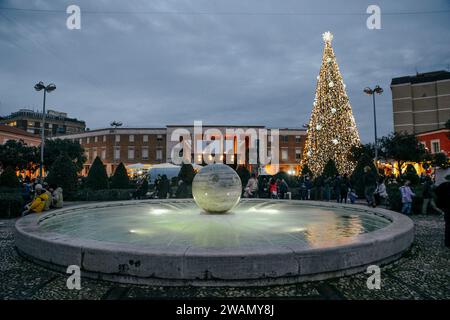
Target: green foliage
(366,150)
(330,170)
(402,147)
(440,160)
(290,180)
(63,173)
(97,178)
(187,173)
(306,171)
(103,195)
(19,155)
(244,174)
(54,148)
(12,205)
(120,178)
(8,178)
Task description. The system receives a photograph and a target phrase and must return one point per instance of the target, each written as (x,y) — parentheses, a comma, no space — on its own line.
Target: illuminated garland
(332,130)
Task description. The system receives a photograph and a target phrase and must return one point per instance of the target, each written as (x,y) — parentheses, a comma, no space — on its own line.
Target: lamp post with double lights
(49,88)
(369,91)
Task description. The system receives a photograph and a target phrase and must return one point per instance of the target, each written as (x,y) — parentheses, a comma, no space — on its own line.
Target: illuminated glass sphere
(216,188)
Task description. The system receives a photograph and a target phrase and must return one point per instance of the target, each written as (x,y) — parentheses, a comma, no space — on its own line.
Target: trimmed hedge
(12,205)
(104,195)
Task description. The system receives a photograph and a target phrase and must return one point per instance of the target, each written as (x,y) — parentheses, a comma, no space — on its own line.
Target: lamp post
(38,87)
(369,91)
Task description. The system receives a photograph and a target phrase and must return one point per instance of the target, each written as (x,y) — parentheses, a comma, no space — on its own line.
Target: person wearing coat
(57,197)
(38,204)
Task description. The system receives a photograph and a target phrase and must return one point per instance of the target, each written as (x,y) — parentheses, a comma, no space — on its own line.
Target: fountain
(173,242)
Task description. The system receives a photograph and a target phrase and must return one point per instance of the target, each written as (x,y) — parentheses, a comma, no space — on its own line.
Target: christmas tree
(331,130)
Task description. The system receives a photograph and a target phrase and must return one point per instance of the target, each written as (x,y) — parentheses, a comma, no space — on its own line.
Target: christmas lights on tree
(332,130)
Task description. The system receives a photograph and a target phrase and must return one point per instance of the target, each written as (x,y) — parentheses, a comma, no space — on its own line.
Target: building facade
(11,133)
(436,141)
(56,123)
(156,145)
(421,103)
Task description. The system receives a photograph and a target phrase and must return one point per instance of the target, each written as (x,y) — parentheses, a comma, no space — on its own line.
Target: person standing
(380,193)
(337,188)
(327,188)
(443,201)
(262,188)
(273,189)
(251,187)
(319,183)
(345,185)
(369,182)
(407,195)
(283,188)
(428,196)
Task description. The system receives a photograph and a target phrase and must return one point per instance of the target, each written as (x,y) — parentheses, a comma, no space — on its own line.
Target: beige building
(421,103)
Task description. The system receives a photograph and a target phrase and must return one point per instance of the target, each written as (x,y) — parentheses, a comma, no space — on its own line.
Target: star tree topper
(327,36)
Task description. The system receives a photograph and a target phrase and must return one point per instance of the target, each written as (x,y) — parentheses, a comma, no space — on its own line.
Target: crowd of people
(41,197)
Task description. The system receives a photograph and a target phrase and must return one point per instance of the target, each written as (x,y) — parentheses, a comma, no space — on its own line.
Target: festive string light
(334,135)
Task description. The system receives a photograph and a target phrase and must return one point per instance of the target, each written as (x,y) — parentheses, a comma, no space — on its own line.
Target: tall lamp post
(38,87)
(369,91)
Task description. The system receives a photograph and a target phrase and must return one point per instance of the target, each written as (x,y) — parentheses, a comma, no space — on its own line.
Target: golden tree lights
(332,129)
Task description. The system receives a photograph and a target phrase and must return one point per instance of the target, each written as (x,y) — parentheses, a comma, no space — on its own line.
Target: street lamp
(38,87)
(369,91)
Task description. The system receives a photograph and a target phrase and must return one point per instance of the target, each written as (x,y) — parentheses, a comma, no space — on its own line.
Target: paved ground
(422,273)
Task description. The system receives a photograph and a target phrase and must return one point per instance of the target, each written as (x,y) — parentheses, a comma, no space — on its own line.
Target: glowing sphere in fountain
(216,188)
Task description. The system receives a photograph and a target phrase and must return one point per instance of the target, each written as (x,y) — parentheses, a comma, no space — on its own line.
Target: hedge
(12,205)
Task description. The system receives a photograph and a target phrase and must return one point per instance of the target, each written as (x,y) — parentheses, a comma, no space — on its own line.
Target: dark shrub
(97,178)
(356,178)
(187,173)
(63,173)
(120,178)
(8,178)
(330,170)
(12,205)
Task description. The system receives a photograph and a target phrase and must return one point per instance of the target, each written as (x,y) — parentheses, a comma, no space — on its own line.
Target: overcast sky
(153,63)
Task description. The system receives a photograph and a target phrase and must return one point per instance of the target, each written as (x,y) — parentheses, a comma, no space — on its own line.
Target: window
(103,153)
(81,141)
(145,138)
(117,137)
(284,138)
(159,154)
(96,139)
(159,139)
(130,153)
(116,153)
(104,138)
(298,154)
(144,153)
(284,154)
(131,138)
(87,140)
(94,153)
(298,139)
(86,153)
(435,146)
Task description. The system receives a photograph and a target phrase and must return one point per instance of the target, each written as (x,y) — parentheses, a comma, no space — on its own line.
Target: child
(352,195)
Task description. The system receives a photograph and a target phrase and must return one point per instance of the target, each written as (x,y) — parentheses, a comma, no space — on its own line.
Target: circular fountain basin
(172,242)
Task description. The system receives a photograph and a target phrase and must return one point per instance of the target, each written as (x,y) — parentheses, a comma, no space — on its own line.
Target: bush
(8,178)
(63,173)
(97,178)
(104,195)
(12,205)
(120,178)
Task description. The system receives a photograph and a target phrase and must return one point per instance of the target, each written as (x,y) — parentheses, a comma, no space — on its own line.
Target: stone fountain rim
(195,265)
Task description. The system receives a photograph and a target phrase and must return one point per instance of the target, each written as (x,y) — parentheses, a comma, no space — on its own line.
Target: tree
(186,173)
(54,148)
(440,160)
(357,176)
(18,155)
(8,178)
(367,150)
(332,130)
(402,147)
(330,170)
(97,178)
(63,173)
(120,178)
